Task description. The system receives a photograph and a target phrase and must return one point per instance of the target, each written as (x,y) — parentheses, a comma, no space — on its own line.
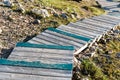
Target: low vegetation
(105,65)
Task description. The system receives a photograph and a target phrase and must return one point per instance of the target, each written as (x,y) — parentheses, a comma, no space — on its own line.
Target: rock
(55,15)
(64,15)
(36,21)
(118,55)
(73,16)
(117,31)
(44,13)
(7,3)
(1,4)
(0,30)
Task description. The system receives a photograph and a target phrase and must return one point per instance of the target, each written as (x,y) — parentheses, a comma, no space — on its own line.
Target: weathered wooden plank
(116,14)
(14,76)
(111,17)
(43,60)
(101,27)
(65,41)
(75,31)
(42,50)
(45,57)
(84,28)
(99,22)
(93,29)
(103,20)
(107,19)
(115,9)
(52,40)
(39,41)
(35,71)
(69,34)
(105,3)
(64,36)
(36,64)
(21,44)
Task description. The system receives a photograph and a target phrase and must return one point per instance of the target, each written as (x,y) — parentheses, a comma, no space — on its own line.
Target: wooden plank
(76,27)
(43,60)
(107,3)
(99,22)
(43,50)
(107,19)
(65,41)
(116,14)
(112,17)
(64,36)
(84,28)
(75,31)
(93,27)
(39,41)
(14,76)
(69,34)
(41,56)
(36,64)
(21,44)
(35,71)
(115,9)
(103,20)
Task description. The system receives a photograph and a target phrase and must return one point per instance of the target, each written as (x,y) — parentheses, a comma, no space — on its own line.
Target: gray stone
(0,30)
(84,79)
(118,55)
(117,31)
(36,21)
(42,12)
(64,15)
(7,3)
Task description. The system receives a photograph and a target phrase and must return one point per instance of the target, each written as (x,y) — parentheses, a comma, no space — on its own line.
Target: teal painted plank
(36,64)
(69,34)
(21,44)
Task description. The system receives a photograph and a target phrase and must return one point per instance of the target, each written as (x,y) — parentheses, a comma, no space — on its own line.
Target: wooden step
(94,29)
(98,22)
(111,19)
(22,70)
(103,20)
(50,54)
(69,34)
(75,31)
(84,28)
(93,22)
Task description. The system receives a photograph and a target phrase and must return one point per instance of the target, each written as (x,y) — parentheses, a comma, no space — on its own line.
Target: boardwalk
(50,55)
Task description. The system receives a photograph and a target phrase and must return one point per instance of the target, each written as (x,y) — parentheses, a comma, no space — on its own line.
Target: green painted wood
(69,34)
(36,64)
(21,44)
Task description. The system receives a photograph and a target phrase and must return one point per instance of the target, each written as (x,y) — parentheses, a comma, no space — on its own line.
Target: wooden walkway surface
(50,55)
